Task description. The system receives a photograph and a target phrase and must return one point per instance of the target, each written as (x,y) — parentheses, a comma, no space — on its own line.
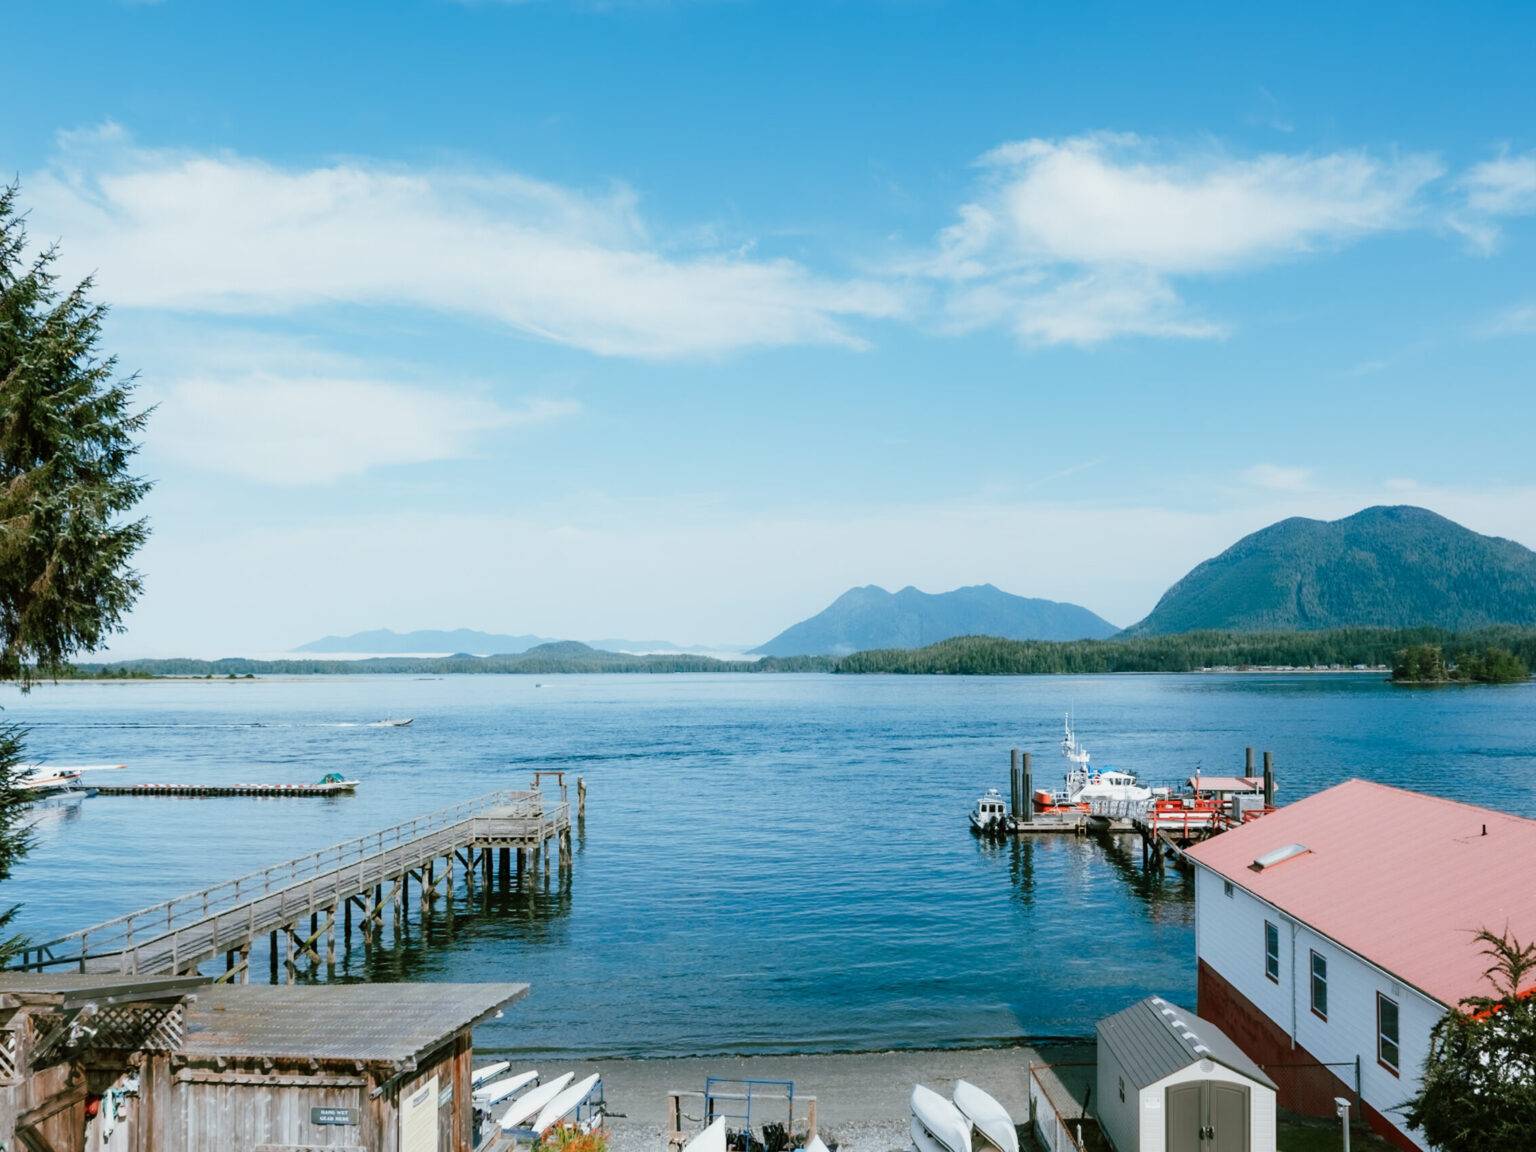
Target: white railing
(344,865)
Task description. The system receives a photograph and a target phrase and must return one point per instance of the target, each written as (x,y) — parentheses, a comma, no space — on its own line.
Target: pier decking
(300,900)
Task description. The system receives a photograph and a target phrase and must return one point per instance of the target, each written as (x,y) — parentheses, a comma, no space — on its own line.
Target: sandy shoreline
(861,1097)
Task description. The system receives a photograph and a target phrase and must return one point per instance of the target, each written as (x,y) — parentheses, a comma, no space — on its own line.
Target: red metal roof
(1403,879)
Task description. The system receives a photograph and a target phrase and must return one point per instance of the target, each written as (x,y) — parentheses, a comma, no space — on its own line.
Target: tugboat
(990,816)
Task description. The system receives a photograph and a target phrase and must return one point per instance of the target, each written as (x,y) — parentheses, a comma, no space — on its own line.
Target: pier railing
(297,880)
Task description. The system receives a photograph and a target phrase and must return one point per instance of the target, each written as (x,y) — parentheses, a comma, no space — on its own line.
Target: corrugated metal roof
(387,1023)
(1403,879)
(1154,1038)
(73,988)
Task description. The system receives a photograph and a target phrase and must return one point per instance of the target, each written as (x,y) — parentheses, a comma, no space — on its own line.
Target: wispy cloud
(1518,320)
(1080,240)
(221,233)
(1278,478)
(302,431)
(1493,190)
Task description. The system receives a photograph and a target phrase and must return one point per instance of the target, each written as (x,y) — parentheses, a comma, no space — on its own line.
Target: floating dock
(324,788)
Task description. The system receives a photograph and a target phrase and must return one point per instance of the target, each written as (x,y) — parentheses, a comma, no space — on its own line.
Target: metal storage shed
(1169,1081)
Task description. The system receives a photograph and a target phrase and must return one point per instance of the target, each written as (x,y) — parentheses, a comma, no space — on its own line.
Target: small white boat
(989,1118)
(401,722)
(565,1104)
(480,1075)
(712,1139)
(937,1125)
(489,1095)
(990,816)
(532,1102)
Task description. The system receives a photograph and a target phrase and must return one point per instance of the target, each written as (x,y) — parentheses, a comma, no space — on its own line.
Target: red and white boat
(1086,784)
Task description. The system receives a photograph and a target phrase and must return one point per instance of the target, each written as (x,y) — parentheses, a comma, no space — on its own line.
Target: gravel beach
(861,1097)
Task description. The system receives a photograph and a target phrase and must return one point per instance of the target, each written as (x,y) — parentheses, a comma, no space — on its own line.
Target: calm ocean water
(768,863)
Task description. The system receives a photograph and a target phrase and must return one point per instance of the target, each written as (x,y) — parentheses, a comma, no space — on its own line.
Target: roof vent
(1278,856)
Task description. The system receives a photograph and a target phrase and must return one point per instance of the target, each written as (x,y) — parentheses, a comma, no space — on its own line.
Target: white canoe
(489,1095)
(989,1117)
(530,1103)
(712,1139)
(565,1103)
(480,1075)
(937,1125)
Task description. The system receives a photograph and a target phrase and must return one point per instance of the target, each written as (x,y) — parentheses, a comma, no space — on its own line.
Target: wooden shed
(108,1064)
(381,1067)
(1169,1081)
(71,1049)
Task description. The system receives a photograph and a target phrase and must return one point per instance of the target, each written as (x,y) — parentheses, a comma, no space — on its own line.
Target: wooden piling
(1026,774)
(273,956)
(1269,781)
(581,797)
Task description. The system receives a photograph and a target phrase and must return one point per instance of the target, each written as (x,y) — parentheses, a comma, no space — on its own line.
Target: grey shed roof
(383,1023)
(1154,1038)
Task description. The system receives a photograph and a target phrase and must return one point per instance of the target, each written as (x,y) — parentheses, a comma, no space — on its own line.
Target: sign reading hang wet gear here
(334,1116)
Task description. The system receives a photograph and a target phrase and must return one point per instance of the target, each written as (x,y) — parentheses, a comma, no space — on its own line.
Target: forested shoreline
(964,655)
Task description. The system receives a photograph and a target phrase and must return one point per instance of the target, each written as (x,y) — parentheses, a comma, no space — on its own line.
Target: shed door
(1206,1116)
(1186,1117)
(1226,1117)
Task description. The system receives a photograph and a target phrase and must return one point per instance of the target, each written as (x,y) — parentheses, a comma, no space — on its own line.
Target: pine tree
(67,440)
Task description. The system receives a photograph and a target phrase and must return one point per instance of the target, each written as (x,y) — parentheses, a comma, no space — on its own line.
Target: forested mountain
(1384,567)
(871,617)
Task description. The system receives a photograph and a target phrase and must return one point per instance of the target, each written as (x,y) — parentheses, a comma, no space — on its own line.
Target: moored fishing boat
(1086,784)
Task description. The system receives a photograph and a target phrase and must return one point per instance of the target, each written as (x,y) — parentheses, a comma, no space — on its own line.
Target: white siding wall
(1229,936)
(1261,1108)
(1118,1121)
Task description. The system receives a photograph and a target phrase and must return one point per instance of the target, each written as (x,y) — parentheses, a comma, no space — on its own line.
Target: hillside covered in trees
(964,655)
(1383,567)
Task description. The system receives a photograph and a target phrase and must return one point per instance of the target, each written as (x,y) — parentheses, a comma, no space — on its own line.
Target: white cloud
(1501,187)
(302,431)
(1518,320)
(1505,186)
(221,233)
(1278,477)
(1078,240)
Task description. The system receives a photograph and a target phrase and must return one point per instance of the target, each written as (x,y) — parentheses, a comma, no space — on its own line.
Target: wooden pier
(300,904)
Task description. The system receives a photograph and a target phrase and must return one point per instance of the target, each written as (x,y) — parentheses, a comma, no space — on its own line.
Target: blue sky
(677,319)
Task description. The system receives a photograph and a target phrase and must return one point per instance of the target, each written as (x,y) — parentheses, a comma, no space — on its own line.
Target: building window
(1271,951)
(1320,986)
(1226,888)
(1386,1033)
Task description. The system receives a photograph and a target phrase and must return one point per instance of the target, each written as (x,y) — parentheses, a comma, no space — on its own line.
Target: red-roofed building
(1340,928)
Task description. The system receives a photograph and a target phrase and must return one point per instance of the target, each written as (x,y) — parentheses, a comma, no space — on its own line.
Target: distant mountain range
(1383,567)
(387,642)
(870,617)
